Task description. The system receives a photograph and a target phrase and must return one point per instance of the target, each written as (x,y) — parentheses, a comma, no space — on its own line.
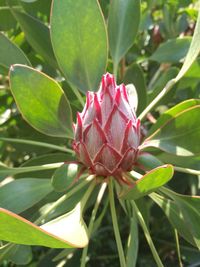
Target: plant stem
(87,195)
(36,143)
(186,170)
(178,248)
(115,225)
(147,235)
(92,220)
(165,90)
(63,198)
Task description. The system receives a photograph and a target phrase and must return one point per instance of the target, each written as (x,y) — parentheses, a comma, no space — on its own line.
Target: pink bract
(107,132)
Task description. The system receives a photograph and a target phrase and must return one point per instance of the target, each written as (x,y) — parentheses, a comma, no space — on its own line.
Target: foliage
(51,54)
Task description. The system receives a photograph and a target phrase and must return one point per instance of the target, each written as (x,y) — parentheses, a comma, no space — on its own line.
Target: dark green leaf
(179,135)
(64,176)
(190,209)
(22,194)
(7,21)
(37,34)
(41,101)
(134,74)
(80,43)
(149,182)
(65,232)
(172,51)
(133,242)
(175,216)
(10,53)
(123,24)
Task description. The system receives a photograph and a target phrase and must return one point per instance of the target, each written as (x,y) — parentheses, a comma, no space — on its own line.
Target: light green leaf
(179,135)
(41,101)
(122,26)
(64,176)
(37,34)
(80,42)
(10,53)
(170,113)
(172,51)
(193,50)
(22,194)
(65,232)
(149,182)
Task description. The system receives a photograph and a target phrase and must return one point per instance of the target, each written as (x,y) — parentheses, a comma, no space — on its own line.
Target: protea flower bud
(107,132)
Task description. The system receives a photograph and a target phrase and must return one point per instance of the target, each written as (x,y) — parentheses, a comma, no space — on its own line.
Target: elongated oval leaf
(149,182)
(175,216)
(179,135)
(18,230)
(79,41)
(22,194)
(173,112)
(190,209)
(41,101)
(123,24)
(193,50)
(11,53)
(37,34)
(64,176)
(172,51)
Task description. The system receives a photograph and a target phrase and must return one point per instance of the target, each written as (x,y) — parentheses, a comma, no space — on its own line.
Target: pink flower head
(107,132)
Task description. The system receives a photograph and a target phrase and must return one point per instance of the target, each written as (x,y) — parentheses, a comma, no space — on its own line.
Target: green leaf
(16,55)
(148,161)
(134,74)
(80,42)
(193,50)
(18,254)
(175,216)
(64,176)
(165,117)
(190,209)
(42,160)
(37,34)
(133,242)
(157,87)
(122,26)
(149,182)
(6,171)
(172,51)
(7,21)
(65,232)
(41,101)
(189,162)
(179,135)
(22,194)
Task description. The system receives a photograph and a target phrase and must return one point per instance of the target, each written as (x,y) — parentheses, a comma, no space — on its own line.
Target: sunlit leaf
(149,182)
(16,55)
(179,135)
(41,101)
(80,43)
(22,194)
(64,232)
(122,26)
